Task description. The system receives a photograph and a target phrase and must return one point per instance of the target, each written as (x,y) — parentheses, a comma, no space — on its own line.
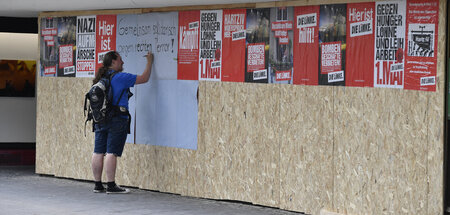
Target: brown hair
(107,61)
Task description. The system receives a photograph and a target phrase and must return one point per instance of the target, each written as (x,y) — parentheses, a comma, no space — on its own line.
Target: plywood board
(195,176)
(292,129)
(353,139)
(214,176)
(435,119)
(302,148)
(316,148)
(264,118)
(45,132)
(306,174)
(241,145)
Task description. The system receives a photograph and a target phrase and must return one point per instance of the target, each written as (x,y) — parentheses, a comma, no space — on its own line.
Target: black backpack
(100,97)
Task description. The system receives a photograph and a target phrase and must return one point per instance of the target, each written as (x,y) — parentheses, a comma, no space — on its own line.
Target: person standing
(110,136)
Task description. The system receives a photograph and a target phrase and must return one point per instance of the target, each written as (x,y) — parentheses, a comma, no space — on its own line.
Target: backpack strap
(128,112)
(129,122)
(121,94)
(110,84)
(86,109)
(120,97)
(110,76)
(85,103)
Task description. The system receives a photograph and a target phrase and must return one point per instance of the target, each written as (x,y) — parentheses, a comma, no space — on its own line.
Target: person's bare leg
(110,165)
(97,166)
(110,162)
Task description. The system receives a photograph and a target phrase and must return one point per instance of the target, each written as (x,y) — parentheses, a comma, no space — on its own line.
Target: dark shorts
(110,137)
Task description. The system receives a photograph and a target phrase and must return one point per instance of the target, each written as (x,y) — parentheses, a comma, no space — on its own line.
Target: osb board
(154,168)
(263,114)
(435,140)
(292,130)
(195,178)
(435,121)
(249,142)
(241,144)
(170,165)
(62,151)
(236,109)
(306,148)
(226,122)
(384,154)
(355,136)
(45,132)
(213,151)
(74,115)
(379,151)
(378,155)
(68,119)
(60,140)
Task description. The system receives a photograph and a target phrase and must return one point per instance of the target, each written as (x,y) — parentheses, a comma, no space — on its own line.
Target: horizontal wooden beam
(198,7)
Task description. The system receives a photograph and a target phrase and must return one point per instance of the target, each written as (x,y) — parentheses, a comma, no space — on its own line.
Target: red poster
(256,60)
(306,45)
(360,48)
(50,70)
(283,75)
(49,32)
(106,37)
(422,37)
(330,57)
(233,45)
(188,49)
(65,56)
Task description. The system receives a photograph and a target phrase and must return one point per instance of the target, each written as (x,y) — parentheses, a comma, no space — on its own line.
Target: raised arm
(145,76)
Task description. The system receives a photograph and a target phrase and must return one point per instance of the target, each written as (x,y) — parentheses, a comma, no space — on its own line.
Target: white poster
(126,41)
(170,115)
(85,60)
(158,32)
(210,54)
(165,103)
(390,22)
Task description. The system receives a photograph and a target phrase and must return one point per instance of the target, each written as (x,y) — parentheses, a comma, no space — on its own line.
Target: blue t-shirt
(120,83)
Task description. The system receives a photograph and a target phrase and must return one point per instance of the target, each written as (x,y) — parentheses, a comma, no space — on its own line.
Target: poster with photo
(332,44)
(49,47)
(188,47)
(306,45)
(106,29)
(389,58)
(421,57)
(281,60)
(360,40)
(67,28)
(233,46)
(85,61)
(210,53)
(257,43)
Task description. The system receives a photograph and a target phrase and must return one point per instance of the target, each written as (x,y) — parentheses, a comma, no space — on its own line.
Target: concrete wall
(18,115)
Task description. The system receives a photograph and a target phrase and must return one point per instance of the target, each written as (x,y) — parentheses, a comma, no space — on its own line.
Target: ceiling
(32,8)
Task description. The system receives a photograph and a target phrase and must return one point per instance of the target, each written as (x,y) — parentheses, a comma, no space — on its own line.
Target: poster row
(389,44)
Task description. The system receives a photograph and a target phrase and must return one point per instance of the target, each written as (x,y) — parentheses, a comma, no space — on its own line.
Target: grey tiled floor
(23,192)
